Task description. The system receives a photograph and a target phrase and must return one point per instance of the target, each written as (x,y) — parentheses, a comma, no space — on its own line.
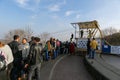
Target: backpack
(2,61)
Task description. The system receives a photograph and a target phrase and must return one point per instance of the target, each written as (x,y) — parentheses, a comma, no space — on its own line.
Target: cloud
(78,16)
(28,4)
(54,8)
(68,13)
(107,14)
(55,16)
(22,2)
(63,3)
(34,16)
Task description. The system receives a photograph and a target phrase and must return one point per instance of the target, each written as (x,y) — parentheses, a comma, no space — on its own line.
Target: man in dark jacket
(14,45)
(34,59)
(88,46)
(32,41)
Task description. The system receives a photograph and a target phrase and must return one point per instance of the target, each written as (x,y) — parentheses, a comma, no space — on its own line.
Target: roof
(86,25)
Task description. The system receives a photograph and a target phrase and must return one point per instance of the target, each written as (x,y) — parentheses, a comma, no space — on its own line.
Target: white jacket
(8,53)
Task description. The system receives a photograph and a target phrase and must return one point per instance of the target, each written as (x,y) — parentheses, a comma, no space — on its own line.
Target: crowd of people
(23,59)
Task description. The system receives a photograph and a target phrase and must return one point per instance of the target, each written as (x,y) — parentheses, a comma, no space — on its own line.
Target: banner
(82,43)
(115,49)
(90,24)
(106,49)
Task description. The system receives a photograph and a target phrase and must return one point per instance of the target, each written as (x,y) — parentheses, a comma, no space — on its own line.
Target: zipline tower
(85,30)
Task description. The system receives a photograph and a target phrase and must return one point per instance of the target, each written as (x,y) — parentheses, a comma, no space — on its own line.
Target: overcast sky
(56,15)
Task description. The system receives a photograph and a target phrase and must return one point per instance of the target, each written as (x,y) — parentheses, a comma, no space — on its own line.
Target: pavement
(104,68)
(65,68)
(112,60)
(72,67)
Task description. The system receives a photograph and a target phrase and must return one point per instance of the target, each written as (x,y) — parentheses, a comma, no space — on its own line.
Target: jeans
(58,50)
(34,69)
(88,51)
(16,69)
(65,51)
(92,53)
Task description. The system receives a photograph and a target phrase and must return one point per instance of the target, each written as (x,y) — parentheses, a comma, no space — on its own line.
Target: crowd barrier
(111,49)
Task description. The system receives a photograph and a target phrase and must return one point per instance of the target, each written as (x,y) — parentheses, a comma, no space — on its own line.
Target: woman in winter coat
(72,48)
(8,57)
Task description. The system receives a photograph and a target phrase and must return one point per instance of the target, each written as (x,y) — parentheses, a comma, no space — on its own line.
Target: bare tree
(109,31)
(44,37)
(27,33)
(9,36)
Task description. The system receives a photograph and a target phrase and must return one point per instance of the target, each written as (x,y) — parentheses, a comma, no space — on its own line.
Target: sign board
(106,49)
(90,24)
(115,49)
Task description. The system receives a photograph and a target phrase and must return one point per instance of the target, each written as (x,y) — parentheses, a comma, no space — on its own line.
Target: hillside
(113,39)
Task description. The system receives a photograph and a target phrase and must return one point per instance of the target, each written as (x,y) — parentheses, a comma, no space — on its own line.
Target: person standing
(58,44)
(49,48)
(81,32)
(8,57)
(72,48)
(5,48)
(93,45)
(66,47)
(14,45)
(34,59)
(24,47)
(32,41)
(90,34)
(88,46)
(71,37)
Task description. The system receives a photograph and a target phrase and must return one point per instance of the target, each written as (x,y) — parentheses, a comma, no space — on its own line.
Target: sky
(56,15)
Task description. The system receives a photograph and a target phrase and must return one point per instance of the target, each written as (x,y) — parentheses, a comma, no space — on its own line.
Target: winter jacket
(14,45)
(93,44)
(35,54)
(25,50)
(8,53)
